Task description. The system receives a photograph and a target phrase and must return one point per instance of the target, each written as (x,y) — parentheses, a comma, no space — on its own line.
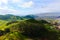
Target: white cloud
(4,1)
(51,7)
(6,10)
(16,1)
(27,4)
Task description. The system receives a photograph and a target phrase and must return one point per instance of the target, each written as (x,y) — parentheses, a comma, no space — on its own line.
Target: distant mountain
(52,15)
(10,17)
(30,16)
(14,17)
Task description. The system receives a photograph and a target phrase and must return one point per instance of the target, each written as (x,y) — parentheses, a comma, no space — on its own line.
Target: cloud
(6,10)
(16,1)
(5,7)
(27,4)
(4,1)
(50,7)
(29,7)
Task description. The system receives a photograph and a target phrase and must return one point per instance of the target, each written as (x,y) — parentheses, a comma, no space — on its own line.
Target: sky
(25,7)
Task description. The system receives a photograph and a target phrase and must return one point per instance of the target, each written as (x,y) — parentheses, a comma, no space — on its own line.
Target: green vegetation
(28,29)
(10,17)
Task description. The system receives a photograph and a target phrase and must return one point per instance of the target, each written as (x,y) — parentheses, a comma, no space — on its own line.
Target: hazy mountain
(52,15)
(36,16)
(10,17)
(30,16)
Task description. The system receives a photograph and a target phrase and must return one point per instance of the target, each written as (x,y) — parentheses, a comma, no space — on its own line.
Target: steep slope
(25,29)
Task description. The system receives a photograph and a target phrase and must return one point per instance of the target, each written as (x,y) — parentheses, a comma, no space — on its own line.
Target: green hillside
(10,17)
(30,29)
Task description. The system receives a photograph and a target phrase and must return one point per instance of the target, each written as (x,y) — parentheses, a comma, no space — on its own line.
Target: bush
(1,32)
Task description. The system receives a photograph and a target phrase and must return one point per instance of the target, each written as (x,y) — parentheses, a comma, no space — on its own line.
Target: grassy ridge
(26,29)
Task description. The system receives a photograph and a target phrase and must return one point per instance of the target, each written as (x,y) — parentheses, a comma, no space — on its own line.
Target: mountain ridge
(32,16)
